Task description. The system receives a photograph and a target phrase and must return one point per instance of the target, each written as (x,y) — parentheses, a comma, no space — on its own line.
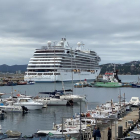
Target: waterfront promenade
(132,115)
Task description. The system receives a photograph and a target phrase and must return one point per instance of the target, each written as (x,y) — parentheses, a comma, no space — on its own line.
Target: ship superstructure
(62,63)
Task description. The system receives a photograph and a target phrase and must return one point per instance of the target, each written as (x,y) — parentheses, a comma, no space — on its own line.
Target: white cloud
(110,28)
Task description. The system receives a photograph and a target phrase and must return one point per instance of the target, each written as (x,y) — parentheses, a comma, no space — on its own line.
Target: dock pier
(119,124)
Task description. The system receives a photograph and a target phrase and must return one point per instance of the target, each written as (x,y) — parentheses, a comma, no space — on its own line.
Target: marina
(69,70)
(44,118)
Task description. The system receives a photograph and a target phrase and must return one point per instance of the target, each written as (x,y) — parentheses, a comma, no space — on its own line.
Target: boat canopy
(61,92)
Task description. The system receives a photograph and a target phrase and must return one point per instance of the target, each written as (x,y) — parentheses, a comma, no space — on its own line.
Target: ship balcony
(53,53)
(49,67)
(44,59)
(44,62)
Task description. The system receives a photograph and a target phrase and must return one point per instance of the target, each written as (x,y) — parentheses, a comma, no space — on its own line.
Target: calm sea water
(43,119)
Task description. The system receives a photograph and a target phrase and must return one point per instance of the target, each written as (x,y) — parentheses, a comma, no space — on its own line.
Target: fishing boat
(21,83)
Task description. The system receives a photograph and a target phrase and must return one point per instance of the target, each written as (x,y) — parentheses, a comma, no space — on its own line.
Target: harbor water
(43,119)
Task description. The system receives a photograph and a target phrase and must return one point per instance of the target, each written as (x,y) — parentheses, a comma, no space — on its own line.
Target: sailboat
(137,84)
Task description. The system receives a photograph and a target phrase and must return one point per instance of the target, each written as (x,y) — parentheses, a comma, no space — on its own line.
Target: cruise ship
(60,62)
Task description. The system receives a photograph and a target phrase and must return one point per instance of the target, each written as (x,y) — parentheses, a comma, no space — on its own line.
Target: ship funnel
(49,43)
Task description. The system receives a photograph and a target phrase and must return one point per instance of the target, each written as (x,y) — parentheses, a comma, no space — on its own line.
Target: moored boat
(134,101)
(58,62)
(81,84)
(112,82)
(29,103)
(11,83)
(21,83)
(136,85)
(108,84)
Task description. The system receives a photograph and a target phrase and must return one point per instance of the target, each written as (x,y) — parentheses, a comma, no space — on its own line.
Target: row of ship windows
(65,59)
(66,66)
(62,52)
(68,56)
(44,74)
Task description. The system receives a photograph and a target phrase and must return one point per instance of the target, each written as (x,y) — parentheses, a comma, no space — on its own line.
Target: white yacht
(49,101)
(29,103)
(65,131)
(9,107)
(134,101)
(62,63)
(70,127)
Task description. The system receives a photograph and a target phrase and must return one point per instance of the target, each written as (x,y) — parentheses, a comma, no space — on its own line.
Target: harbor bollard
(120,132)
(126,123)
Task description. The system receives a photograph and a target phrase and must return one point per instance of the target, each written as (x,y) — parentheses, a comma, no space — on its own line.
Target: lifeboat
(78,70)
(88,114)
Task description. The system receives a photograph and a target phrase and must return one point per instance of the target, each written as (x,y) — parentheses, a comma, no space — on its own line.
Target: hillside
(126,68)
(12,69)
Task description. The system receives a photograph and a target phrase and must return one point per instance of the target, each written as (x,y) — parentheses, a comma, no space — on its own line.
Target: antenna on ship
(82,44)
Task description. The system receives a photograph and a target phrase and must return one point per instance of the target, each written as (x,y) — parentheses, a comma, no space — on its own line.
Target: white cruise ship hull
(64,76)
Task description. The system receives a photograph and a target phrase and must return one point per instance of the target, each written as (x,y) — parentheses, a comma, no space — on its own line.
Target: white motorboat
(29,103)
(72,123)
(50,101)
(71,127)
(66,131)
(9,107)
(75,98)
(134,101)
(135,133)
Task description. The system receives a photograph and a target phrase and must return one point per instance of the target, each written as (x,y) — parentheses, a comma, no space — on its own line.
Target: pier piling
(120,131)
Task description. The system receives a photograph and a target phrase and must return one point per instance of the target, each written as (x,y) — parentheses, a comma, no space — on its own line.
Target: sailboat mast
(71,69)
(54,70)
